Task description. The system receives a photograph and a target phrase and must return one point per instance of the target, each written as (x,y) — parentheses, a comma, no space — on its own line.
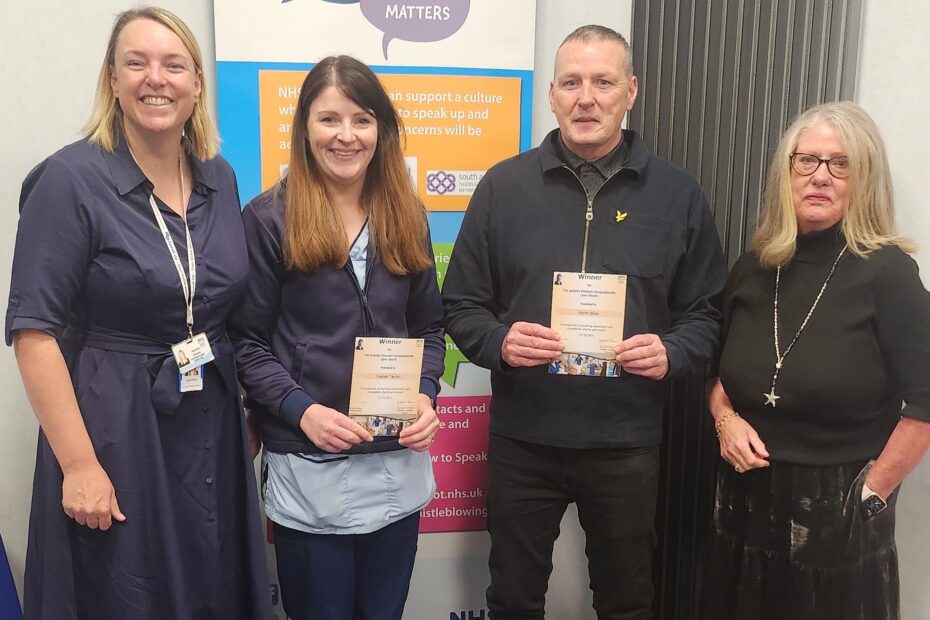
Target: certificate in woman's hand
(385,383)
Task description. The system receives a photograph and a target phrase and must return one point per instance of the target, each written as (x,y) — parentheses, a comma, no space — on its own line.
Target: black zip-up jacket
(526,220)
(294,332)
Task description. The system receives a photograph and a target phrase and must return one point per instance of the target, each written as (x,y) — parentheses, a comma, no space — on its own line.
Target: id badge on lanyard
(190,354)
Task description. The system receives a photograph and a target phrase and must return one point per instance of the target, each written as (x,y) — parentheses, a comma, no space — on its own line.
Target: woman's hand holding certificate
(330,430)
(419,435)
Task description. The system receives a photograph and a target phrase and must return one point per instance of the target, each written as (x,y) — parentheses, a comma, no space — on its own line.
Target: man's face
(590,94)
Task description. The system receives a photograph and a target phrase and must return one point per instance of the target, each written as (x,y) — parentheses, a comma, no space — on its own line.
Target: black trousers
(529,488)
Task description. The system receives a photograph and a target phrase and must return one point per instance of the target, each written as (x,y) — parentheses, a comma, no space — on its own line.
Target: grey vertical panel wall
(720,80)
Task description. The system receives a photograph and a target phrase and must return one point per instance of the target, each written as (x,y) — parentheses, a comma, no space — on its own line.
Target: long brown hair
(313,231)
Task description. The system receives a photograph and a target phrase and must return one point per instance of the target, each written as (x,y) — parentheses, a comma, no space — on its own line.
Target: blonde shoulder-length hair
(313,231)
(869,221)
(105,126)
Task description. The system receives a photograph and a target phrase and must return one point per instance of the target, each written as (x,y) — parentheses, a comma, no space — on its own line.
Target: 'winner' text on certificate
(385,383)
(587,312)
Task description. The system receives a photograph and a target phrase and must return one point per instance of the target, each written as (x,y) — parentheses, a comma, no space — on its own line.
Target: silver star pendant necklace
(772,397)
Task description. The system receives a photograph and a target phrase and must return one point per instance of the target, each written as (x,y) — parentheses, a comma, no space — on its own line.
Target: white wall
(554,20)
(894,88)
(51,55)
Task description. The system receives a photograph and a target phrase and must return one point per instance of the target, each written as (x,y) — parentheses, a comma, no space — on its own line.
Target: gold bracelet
(718,425)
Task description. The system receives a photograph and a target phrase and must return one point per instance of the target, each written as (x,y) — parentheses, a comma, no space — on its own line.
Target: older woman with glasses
(827,335)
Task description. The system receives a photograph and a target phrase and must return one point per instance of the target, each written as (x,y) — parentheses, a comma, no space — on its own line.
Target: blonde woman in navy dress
(130,241)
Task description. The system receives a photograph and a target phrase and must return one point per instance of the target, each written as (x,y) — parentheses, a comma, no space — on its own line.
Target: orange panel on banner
(277,101)
(456,128)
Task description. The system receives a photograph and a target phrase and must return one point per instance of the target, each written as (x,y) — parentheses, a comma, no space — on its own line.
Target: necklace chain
(771,397)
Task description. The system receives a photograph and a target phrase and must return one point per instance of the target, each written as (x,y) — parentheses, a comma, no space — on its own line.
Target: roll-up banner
(460,74)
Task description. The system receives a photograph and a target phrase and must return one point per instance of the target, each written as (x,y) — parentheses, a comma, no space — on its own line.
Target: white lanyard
(173,250)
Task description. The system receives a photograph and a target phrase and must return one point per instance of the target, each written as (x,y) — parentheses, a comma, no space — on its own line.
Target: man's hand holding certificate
(643,355)
(530,344)
(587,312)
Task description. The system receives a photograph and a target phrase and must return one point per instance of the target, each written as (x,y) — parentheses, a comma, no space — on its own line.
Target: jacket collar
(636,162)
(128,176)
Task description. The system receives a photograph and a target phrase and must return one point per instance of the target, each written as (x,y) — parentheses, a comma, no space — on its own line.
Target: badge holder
(191,355)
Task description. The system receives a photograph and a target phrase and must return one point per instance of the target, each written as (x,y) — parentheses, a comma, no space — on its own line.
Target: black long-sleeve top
(865,350)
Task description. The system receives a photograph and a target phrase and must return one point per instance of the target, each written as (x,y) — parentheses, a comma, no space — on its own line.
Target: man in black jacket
(590,199)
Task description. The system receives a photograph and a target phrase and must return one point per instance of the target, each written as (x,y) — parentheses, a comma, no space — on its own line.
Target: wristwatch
(871,502)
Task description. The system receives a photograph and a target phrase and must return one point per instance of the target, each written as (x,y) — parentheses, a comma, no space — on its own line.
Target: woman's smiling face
(342,137)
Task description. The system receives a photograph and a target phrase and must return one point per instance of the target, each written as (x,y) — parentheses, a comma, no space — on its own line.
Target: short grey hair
(594,32)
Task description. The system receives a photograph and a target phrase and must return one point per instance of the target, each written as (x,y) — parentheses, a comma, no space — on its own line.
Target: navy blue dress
(91,268)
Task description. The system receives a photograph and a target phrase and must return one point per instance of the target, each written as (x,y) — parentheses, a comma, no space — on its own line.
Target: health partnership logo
(452,182)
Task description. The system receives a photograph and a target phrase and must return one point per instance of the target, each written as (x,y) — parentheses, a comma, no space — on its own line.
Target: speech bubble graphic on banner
(423,23)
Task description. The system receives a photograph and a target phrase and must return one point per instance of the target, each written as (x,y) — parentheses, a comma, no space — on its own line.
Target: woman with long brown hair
(339,249)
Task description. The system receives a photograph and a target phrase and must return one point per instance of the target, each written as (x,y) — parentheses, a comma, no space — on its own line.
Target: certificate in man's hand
(587,312)
(385,383)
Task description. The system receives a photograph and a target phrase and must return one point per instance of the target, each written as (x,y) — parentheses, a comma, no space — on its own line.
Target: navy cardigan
(294,332)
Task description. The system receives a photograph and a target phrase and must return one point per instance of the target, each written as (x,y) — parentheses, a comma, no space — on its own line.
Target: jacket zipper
(368,321)
(589,212)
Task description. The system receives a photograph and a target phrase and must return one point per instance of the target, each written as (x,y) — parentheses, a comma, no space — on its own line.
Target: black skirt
(789,542)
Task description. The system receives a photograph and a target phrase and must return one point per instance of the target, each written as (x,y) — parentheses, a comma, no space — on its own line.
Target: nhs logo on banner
(471,614)
(452,182)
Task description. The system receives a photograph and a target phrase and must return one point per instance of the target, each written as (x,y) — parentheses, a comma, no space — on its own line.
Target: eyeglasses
(806,164)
